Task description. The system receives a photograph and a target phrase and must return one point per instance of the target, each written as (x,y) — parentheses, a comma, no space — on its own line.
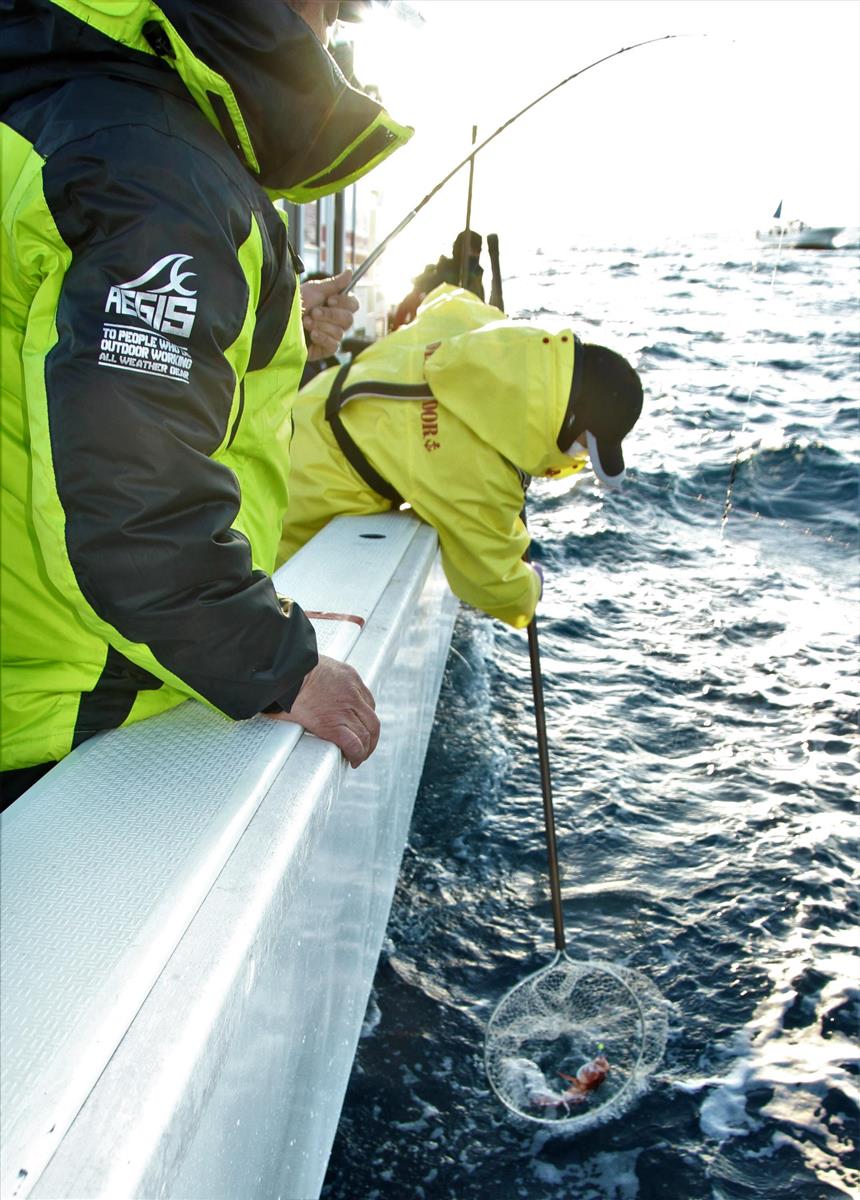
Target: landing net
(573,1044)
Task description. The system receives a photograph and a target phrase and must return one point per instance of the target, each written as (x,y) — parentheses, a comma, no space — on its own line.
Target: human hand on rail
(333,704)
(327,313)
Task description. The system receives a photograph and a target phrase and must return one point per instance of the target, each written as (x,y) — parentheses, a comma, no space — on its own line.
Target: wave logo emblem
(159,297)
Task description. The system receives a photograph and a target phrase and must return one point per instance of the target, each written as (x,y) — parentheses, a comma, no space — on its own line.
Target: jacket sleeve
(482,537)
(137,520)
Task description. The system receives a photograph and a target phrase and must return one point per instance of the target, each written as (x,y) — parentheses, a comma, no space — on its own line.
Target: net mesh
(572,1044)
(655,1017)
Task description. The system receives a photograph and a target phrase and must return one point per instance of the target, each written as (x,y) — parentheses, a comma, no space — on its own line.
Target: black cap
(605,403)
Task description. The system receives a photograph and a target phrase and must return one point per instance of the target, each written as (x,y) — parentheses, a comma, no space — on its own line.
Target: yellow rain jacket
(452,412)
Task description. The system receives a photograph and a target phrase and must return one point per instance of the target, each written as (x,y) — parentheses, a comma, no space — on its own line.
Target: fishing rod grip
(496,297)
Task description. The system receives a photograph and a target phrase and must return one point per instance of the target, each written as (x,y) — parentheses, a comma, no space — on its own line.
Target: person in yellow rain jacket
(452,414)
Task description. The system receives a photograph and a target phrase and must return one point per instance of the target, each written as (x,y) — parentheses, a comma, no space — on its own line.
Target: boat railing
(193,910)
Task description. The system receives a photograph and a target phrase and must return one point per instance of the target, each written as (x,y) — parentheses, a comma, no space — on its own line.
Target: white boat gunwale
(226,1071)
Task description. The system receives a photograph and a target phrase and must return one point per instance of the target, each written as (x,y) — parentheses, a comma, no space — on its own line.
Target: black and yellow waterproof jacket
(151,347)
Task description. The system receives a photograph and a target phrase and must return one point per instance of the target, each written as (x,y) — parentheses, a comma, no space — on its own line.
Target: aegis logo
(169,308)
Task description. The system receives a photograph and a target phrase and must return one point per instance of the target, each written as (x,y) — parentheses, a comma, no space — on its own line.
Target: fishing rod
(464,252)
(410,216)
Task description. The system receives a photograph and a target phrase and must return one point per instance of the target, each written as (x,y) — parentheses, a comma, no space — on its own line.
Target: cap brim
(607,460)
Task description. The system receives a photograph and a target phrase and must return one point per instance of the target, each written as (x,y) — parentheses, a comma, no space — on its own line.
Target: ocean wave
(663,350)
(801,482)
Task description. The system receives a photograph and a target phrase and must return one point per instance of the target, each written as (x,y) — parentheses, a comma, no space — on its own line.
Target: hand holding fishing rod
(327,313)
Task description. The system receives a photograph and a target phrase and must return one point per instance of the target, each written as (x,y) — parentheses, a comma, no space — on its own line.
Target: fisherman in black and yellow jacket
(451,414)
(152,343)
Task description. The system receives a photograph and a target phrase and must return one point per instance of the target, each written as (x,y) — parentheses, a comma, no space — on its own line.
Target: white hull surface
(797,236)
(193,910)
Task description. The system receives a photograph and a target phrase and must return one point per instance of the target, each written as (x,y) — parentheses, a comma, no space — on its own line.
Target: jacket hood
(507,381)
(510,383)
(256,72)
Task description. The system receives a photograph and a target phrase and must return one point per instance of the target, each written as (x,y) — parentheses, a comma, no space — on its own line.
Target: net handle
(545,777)
(546,785)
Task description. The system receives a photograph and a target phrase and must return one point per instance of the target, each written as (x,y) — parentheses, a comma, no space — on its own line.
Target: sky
(693,134)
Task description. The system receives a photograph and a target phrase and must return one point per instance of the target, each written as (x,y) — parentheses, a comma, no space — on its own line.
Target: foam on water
(701,701)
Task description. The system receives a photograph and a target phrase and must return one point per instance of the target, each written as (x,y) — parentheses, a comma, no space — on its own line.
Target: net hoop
(646,1036)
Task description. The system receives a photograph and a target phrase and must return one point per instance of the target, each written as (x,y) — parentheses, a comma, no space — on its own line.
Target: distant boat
(797,235)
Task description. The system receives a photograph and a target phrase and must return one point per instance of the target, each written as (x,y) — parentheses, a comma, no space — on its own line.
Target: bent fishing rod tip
(362,268)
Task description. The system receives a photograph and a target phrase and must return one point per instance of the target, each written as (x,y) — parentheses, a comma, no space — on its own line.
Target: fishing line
(730,487)
(473,150)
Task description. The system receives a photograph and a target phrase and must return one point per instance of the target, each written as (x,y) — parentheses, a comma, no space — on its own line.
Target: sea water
(700,683)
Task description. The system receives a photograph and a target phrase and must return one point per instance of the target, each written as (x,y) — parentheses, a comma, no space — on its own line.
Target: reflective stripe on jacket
(496,395)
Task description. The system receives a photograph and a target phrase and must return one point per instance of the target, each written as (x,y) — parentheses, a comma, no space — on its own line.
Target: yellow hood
(510,383)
